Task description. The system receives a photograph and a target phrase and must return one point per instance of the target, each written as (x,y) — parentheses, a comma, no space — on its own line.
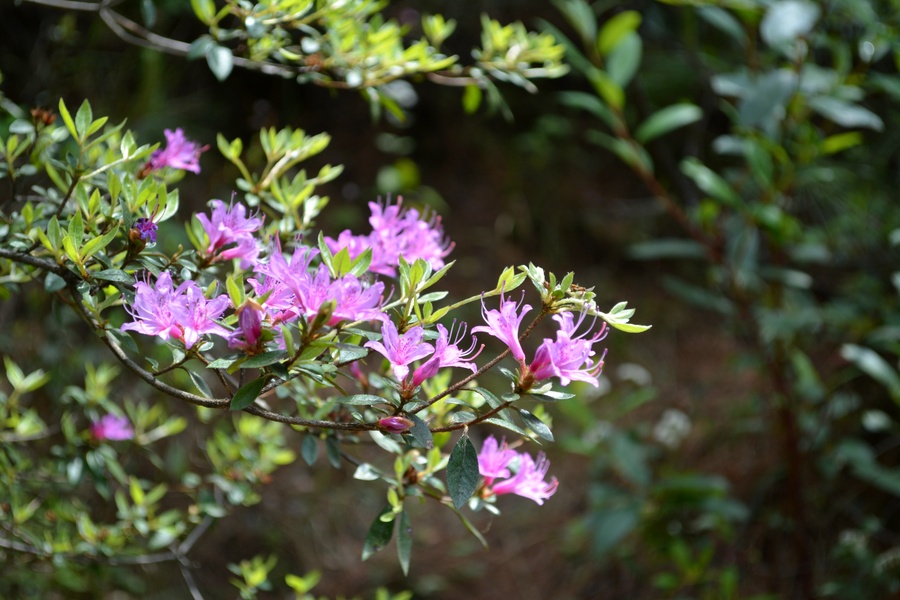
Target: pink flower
(197,316)
(111,427)
(529,480)
(497,461)
(569,356)
(504,324)
(395,424)
(230,226)
(300,291)
(152,308)
(179,153)
(446,355)
(248,335)
(400,350)
(182,313)
(146,228)
(396,232)
(494,460)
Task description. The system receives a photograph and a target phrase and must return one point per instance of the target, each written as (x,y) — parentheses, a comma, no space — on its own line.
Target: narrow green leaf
(710,182)
(462,472)
(871,363)
(309,450)
(615,30)
(536,425)
(83,119)
(361,400)
(379,534)
(667,119)
(404,541)
(333,451)
(265,359)
(67,119)
(245,396)
(199,383)
(114,275)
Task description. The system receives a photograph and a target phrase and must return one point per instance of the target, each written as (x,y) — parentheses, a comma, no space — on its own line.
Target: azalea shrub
(274,331)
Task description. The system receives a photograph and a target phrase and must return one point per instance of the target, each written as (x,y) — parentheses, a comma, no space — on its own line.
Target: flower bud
(395,424)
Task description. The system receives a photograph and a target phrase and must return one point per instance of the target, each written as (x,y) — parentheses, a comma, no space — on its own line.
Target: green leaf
(83,119)
(265,359)
(615,30)
(611,92)
(710,182)
(421,433)
(623,62)
(205,10)
(846,114)
(581,16)
(536,425)
(333,451)
(787,20)
(199,383)
(309,450)
(361,400)
(379,534)
(471,99)
(76,229)
(245,396)
(668,119)
(114,275)
(95,245)
(592,104)
(54,283)
(462,472)
(871,363)
(67,119)
(404,540)
(220,61)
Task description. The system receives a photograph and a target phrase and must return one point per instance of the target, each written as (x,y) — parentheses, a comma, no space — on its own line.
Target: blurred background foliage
(746,447)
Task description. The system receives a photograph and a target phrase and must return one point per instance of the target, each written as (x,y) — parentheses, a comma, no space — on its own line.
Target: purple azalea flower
(111,427)
(396,232)
(196,315)
(447,355)
(179,153)
(298,290)
(529,480)
(494,460)
(356,302)
(248,335)
(569,356)
(504,324)
(146,228)
(182,313)
(400,350)
(152,308)
(228,225)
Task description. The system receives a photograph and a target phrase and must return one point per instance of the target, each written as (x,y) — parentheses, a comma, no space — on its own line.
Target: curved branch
(34,261)
(220,403)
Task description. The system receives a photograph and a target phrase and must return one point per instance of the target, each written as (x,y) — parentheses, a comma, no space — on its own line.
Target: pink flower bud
(395,424)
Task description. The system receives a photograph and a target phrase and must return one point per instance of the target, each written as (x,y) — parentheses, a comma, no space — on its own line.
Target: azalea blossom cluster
(396,232)
(179,153)
(302,287)
(506,471)
(290,289)
(113,428)
(569,357)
